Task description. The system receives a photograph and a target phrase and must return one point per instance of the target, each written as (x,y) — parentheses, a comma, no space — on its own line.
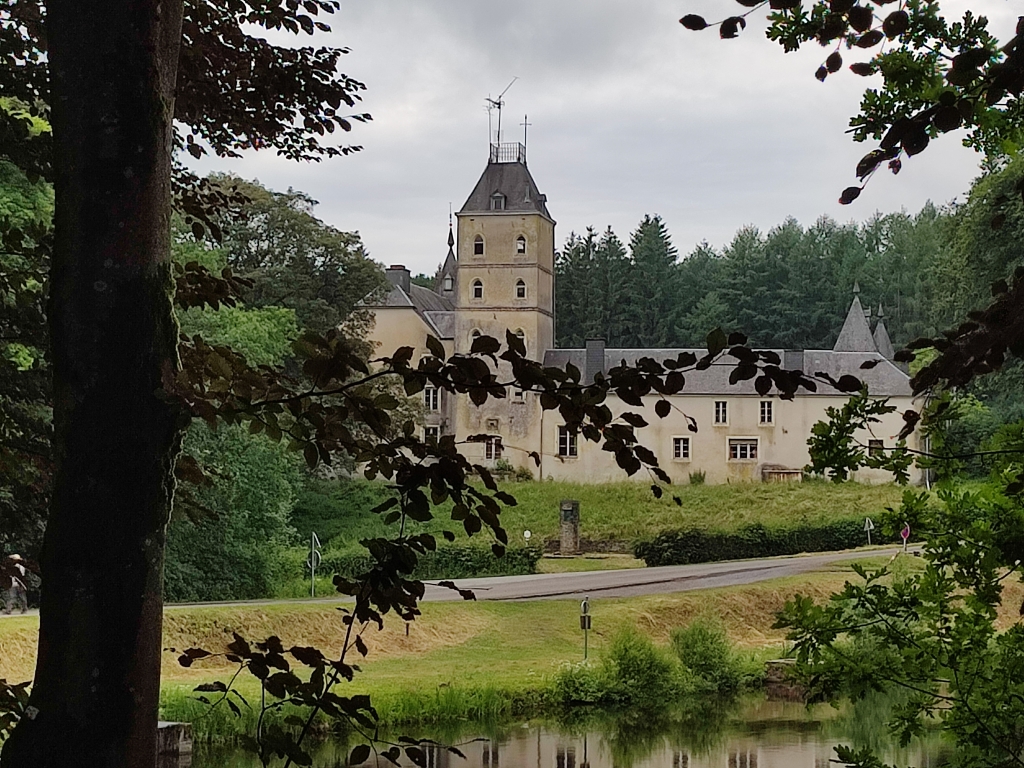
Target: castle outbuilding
(498,276)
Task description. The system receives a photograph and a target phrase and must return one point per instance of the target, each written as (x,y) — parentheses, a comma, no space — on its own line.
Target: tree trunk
(96,692)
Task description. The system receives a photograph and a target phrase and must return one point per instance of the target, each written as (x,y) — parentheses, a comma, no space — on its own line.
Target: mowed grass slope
(616,512)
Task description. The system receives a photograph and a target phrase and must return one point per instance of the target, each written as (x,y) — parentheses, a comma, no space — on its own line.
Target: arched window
(522,336)
(520,289)
(449,283)
(478,289)
(478,246)
(520,244)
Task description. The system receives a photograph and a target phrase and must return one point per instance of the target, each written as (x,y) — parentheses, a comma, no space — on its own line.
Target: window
(521,334)
(449,283)
(431,434)
(520,244)
(478,246)
(493,448)
(520,289)
(742,449)
(478,289)
(681,448)
(766,412)
(566,442)
(430,398)
(721,412)
(876,448)
(519,396)
(497,202)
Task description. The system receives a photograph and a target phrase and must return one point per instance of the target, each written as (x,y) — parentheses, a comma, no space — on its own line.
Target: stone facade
(499,276)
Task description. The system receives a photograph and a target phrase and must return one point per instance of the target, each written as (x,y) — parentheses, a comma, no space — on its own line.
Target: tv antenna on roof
(497,104)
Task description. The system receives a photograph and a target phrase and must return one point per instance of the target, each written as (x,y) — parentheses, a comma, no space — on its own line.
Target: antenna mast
(497,103)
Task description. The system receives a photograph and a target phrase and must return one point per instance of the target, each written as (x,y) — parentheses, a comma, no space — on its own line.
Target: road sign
(527,535)
(868,528)
(905,535)
(585,620)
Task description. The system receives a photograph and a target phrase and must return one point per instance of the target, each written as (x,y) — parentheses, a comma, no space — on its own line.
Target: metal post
(313,562)
(585,624)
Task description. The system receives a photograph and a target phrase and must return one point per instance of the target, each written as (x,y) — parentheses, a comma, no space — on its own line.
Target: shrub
(698,477)
(639,674)
(700,546)
(703,648)
(447,562)
(579,683)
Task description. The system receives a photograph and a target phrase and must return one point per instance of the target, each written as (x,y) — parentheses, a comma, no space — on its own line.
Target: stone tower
(505,282)
(506,256)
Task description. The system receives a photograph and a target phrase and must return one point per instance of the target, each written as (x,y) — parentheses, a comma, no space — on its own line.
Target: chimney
(594,362)
(398,275)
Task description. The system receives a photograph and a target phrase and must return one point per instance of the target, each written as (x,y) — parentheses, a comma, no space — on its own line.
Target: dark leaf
(849,195)
(663,408)
(834,62)
(895,24)
(870,39)
(359,755)
(821,73)
(862,68)
(731,27)
(437,350)
(693,21)
(860,17)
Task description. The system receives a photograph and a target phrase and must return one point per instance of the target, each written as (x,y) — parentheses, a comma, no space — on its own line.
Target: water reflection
(754,734)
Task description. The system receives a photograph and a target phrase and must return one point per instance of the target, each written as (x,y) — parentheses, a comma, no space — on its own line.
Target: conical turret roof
(855,335)
(881,336)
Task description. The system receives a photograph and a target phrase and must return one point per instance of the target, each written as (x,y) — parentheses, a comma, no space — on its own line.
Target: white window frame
(568,448)
(429,432)
(723,420)
(876,447)
(478,288)
(744,442)
(520,285)
(681,444)
(519,395)
(520,246)
(497,202)
(767,407)
(431,398)
(493,448)
(449,282)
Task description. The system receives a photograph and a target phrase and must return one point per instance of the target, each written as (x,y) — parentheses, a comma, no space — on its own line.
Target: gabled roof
(883,342)
(856,333)
(513,180)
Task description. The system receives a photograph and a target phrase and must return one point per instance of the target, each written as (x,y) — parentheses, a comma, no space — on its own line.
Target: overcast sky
(630,113)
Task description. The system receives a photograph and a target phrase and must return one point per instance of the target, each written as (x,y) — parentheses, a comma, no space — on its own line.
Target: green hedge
(700,546)
(447,562)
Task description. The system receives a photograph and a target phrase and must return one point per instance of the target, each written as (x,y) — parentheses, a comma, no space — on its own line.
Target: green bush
(700,546)
(698,477)
(639,675)
(703,648)
(579,683)
(447,562)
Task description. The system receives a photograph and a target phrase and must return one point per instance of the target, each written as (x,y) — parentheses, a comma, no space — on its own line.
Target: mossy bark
(96,691)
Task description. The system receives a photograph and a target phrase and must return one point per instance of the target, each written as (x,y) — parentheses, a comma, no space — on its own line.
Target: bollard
(569,514)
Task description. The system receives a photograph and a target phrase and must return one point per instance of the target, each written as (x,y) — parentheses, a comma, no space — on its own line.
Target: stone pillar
(569,514)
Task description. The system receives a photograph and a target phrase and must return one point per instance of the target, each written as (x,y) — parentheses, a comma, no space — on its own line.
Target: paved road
(645,581)
(621,583)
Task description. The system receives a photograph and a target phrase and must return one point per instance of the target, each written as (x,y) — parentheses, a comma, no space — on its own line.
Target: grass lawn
(616,512)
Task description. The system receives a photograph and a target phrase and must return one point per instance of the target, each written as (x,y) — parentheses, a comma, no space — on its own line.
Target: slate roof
(884,380)
(436,311)
(882,341)
(514,181)
(856,333)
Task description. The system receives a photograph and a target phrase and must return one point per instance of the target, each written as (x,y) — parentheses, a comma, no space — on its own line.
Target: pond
(750,734)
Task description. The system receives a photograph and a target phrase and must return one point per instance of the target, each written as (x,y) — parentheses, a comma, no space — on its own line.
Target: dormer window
(520,289)
(478,289)
(449,283)
(478,246)
(520,244)
(497,202)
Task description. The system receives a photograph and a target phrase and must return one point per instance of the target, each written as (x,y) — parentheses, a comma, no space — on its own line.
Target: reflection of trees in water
(632,736)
